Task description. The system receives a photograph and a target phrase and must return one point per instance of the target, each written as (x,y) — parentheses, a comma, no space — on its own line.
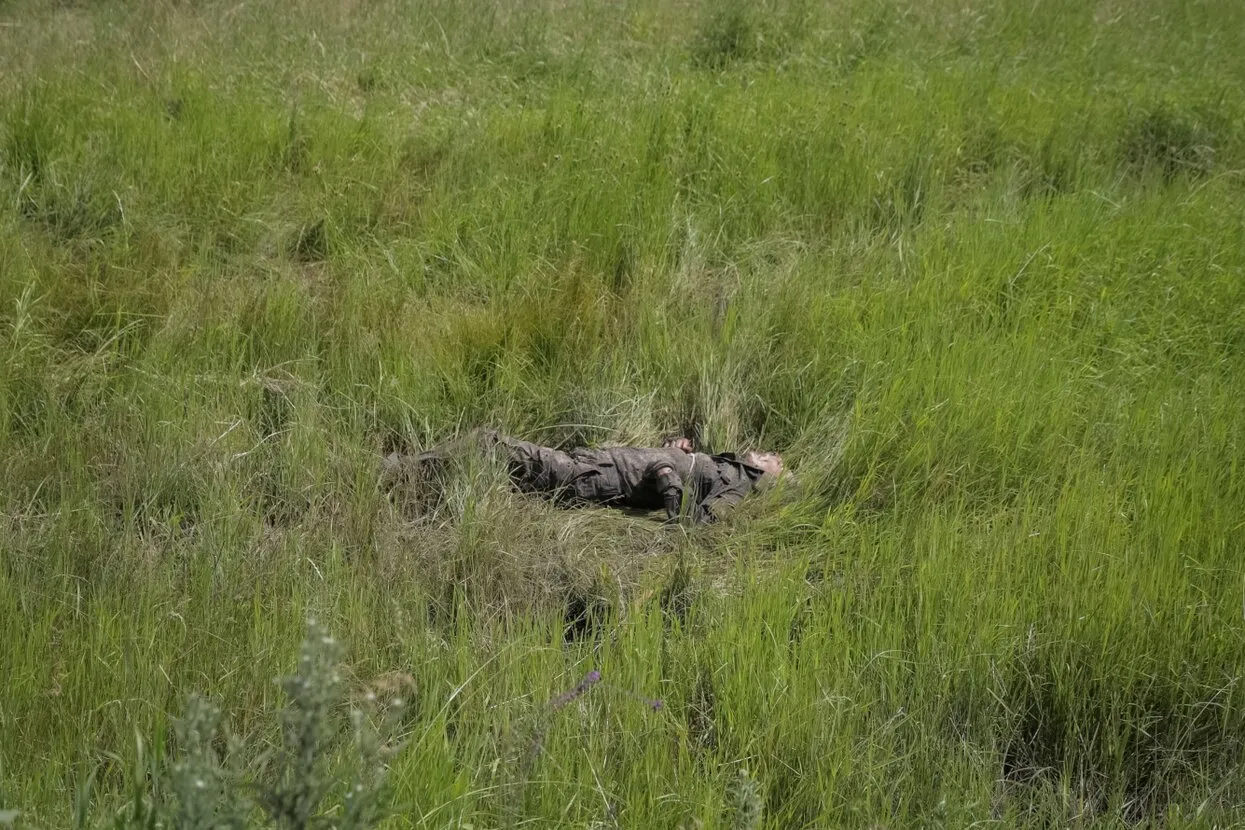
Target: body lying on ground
(673,477)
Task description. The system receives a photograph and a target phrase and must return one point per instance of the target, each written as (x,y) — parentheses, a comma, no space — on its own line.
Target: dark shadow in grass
(622,271)
(1140,745)
(76,211)
(71,201)
(165,504)
(423,157)
(310,243)
(983,149)
(583,616)
(870,40)
(1168,142)
(1043,169)
(31,139)
(900,201)
(293,148)
(368,78)
(727,34)
(702,728)
(1048,170)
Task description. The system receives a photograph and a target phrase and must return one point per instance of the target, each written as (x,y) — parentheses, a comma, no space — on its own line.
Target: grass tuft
(310,243)
(727,34)
(1168,142)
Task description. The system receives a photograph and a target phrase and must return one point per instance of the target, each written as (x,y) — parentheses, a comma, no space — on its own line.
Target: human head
(769,463)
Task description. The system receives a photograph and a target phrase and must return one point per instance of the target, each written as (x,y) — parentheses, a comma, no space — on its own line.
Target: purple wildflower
(655,704)
(591,679)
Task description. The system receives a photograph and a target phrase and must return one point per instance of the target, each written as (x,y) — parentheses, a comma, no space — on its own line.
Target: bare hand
(684,444)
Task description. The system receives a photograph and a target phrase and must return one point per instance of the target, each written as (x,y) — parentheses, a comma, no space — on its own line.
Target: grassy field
(976,267)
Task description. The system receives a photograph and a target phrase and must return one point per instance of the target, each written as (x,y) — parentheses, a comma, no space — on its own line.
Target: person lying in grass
(673,477)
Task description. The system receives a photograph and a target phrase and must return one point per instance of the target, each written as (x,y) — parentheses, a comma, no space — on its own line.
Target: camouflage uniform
(695,485)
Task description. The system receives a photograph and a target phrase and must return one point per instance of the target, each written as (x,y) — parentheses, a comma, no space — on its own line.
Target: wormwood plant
(328,772)
(205,792)
(746,808)
(296,774)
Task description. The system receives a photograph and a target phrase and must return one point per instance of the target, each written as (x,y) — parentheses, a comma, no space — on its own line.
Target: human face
(768,462)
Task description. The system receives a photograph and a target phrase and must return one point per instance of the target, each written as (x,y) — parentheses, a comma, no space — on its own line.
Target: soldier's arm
(684,444)
(669,486)
(740,485)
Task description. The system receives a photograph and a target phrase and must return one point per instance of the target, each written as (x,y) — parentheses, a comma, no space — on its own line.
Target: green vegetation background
(976,267)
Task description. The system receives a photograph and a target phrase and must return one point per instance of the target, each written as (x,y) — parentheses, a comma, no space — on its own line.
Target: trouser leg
(399,466)
(532,468)
(537,469)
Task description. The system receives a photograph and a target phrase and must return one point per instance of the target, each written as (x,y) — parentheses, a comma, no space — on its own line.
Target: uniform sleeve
(733,485)
(713,509)
(679,501)
(668,485)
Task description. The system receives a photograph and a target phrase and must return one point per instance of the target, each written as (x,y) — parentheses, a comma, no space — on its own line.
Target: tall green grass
(977,268)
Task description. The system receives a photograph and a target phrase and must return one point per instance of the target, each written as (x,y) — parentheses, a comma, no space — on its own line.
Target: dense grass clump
(1168,142)
(976,268)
